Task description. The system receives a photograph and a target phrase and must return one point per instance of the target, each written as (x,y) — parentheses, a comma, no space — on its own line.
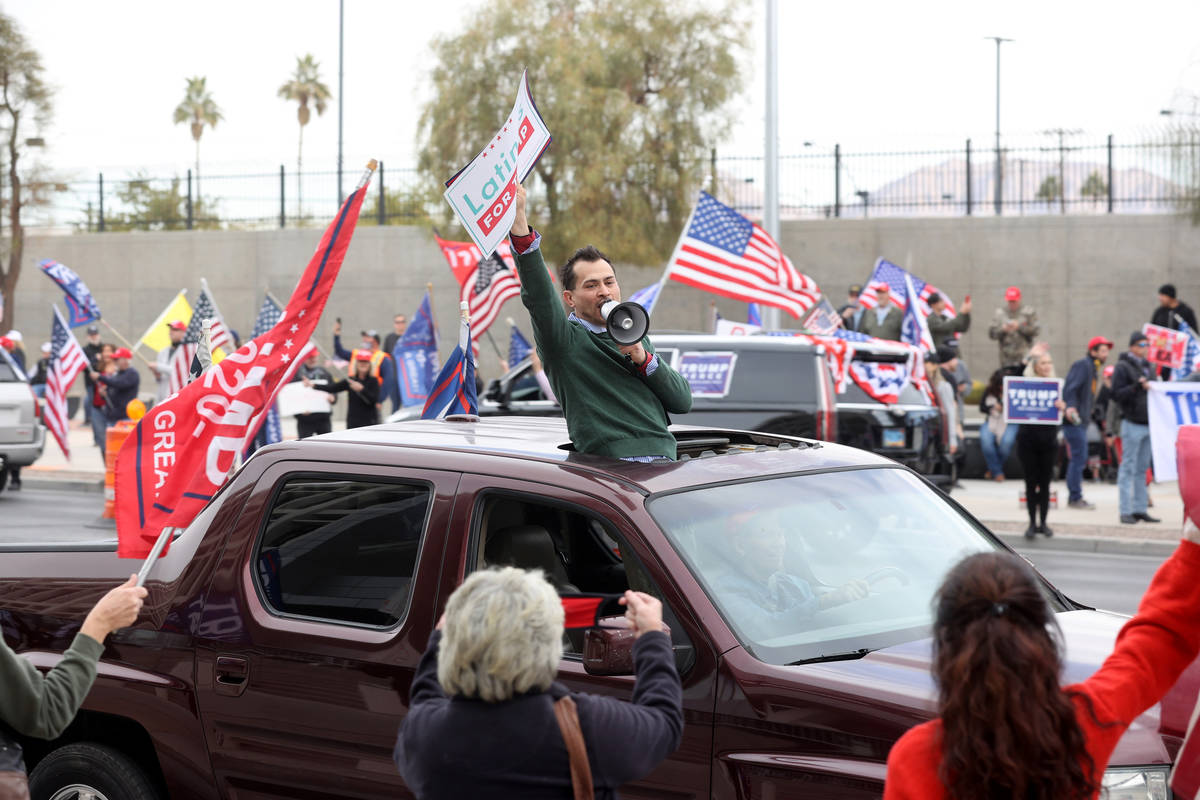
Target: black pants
(312,425)
(1037,448)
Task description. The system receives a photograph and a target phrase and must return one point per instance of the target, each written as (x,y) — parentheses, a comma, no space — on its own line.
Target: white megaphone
(626,322)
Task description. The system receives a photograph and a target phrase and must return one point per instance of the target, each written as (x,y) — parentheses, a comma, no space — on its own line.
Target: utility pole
(341,93)
(771,160)
(1062,133)
(999,163)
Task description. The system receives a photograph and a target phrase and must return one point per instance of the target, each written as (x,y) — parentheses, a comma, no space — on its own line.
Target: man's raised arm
(550,326)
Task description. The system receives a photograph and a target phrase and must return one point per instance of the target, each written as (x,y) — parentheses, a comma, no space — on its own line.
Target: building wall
(1084,275)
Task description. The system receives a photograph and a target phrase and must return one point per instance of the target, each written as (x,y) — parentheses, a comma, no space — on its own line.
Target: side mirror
(493,391)
(608,648)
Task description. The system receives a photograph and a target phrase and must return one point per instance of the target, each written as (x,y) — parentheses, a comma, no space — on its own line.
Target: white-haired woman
(481,720)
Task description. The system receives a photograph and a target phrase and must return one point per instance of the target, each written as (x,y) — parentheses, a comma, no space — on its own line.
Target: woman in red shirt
(1005,726)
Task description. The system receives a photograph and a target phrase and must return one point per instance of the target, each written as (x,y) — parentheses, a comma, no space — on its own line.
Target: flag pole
(151,559)
(213,300)
(126,342)
(667,270)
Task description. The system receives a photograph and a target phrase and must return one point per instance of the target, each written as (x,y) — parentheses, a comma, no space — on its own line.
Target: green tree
(304,87)
(400,207)
(1050,190)
(1094,187)
(197,109)
(148,205)
(25,106)
(635,92)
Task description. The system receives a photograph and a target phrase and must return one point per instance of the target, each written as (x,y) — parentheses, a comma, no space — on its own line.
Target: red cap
(362,355)
(1012,294)
(1096,341)
(6,343)
(122,352)
(177,325)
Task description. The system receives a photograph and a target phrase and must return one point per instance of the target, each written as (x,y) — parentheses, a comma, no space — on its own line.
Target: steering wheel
(883,573)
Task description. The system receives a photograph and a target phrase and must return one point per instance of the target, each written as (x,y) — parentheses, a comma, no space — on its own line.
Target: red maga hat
(177,325)
(122,352)
(1012,294)
(1096,341)
(362,355)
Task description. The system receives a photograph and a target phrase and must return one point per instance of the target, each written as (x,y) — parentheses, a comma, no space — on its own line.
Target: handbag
(567,715)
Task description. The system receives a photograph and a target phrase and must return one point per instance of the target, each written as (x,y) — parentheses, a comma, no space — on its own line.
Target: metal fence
(1063,174)
(1059,172)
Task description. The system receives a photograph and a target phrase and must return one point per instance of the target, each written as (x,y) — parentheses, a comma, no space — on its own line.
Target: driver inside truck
(759,592)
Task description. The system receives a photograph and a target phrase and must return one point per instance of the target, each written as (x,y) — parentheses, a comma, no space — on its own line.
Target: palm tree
(304,87)
(199,109)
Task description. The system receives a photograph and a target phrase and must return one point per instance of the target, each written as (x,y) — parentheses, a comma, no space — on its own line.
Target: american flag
(67,359)
(887,274)
(1191,356)
(724,253)
(181,360)
(486,283)
(269,313)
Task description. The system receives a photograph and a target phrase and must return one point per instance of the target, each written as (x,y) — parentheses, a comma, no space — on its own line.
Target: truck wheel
(88,771)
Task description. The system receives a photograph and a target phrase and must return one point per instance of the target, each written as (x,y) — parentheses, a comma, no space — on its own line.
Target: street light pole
(999,164)
(341,93)
(771,153)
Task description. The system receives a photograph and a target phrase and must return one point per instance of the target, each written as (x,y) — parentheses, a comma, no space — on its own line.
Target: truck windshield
(781,557)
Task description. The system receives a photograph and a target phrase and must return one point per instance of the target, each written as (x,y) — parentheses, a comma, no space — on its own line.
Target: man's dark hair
(934,297)
(1168,289)
(566,273)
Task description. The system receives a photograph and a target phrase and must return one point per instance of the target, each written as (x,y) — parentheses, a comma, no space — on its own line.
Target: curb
(88,485)
(1089,544)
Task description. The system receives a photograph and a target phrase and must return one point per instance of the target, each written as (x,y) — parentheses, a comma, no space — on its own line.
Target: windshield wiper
(849,655)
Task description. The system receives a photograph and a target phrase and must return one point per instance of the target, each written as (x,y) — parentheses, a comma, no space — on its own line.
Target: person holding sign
(1131,379)
(616,398)
(1037,447)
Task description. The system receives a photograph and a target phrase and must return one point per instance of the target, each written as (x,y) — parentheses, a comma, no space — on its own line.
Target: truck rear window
(342,550)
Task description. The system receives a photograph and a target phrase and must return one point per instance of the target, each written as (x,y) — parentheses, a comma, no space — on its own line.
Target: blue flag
(647,297)
(1191,357)
(454,389)
(416,356)
(518,348)
(80,303)
(753,315)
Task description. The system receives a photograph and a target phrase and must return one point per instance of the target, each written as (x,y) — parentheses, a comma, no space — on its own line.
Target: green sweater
(43,706)
(611,409)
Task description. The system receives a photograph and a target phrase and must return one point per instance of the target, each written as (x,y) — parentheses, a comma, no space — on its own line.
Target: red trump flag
(183,449)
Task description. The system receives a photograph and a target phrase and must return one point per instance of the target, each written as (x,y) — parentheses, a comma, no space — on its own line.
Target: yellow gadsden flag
(156,336)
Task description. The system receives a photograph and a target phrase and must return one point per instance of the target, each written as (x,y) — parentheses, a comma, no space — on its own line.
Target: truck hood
(901,675)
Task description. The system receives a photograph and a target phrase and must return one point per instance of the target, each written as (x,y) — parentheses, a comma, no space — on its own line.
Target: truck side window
(341,550)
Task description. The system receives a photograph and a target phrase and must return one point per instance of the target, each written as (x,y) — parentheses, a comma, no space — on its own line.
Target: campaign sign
(727,327)
(1167,347)
(1030,401)
(1170,406)
(709,373)
(483,192)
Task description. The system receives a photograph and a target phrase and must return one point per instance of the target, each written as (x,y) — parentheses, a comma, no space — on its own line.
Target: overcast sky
(873,74)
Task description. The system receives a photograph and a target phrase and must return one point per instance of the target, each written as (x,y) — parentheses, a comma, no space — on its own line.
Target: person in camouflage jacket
(1015,327)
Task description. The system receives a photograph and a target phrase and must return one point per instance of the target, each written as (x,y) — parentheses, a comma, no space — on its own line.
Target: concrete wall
(1085,275)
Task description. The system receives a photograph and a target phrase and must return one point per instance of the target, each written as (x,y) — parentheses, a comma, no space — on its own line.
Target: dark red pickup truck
(281,633)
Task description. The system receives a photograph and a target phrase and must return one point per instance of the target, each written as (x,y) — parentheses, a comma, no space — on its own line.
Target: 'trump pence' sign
(1170,406)
(1032,401)
(482,193)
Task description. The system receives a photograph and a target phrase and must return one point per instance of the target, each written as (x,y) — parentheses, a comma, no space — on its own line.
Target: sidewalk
(1099,530)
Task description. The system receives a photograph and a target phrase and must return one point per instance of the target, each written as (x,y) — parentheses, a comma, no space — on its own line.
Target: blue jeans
(995,451)
(1076,439)
(1135,460)
(99,428)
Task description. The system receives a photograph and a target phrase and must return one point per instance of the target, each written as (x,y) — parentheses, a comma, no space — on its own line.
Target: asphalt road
(1112,582)
(40,515)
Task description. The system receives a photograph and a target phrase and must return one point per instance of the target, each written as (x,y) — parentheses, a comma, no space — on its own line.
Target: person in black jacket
(1079,393)
(363,388)
(1037,449)
(1130,381)
(481,720)
(121,386)
(317,377)
(1171,310)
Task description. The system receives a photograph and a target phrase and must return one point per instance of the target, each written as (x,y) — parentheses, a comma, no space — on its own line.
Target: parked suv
(22,435)
(275,652)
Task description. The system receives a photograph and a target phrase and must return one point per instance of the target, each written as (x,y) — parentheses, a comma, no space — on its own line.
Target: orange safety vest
(376,361)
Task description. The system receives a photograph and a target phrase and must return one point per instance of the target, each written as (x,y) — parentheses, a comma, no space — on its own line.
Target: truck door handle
(232,674)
